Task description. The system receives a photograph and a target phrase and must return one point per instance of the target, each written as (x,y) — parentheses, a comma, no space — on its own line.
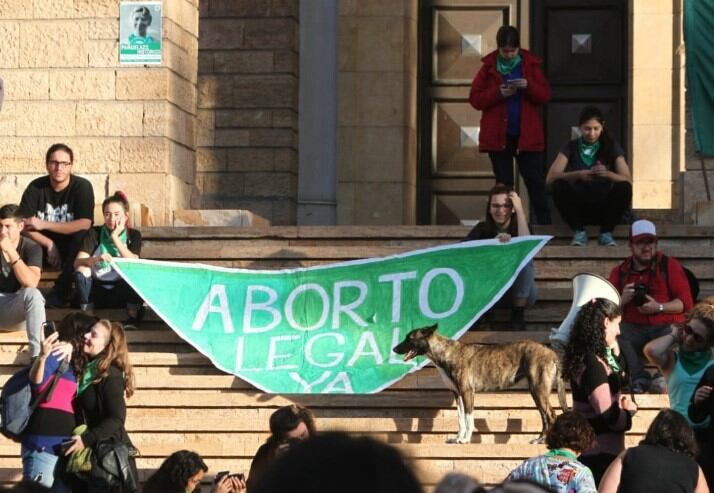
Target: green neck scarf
(88,376)
(588,151)
(611,360)
(504,66)
(693,361)
(562,452)
(106,244)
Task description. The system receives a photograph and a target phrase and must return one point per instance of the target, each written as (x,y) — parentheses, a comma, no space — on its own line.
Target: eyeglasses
(59,164)
(501,206)
(690,332)
(644,243)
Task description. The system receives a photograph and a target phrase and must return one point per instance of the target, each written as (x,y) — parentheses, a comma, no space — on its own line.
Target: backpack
(664,270)
(17,404)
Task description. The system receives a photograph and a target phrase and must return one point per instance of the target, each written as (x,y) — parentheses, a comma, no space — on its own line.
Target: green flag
(330,328)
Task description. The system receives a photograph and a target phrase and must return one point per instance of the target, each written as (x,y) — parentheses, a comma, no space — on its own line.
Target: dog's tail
(560,383)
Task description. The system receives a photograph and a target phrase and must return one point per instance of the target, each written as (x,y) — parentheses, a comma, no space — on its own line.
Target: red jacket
(658,288)
(486,96)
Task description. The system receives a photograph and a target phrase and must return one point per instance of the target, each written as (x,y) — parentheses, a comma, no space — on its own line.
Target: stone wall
(131,128)
(247,107)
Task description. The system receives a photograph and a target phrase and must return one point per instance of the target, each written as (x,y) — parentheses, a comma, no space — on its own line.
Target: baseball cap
(643,229)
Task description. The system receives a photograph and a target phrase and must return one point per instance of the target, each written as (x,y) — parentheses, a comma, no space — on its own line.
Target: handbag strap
(46,394)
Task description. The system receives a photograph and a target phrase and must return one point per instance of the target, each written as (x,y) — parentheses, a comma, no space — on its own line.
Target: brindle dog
(467,369)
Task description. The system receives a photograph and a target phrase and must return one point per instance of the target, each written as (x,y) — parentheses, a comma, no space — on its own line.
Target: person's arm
(523,229)
(85,260)
(27,275)
(702,486)
(557,171)
(660,351)
(611,479)
(124,251)
(700,402)
(609,416)
(621,172)
(66,228)
(538,88)
(483,97)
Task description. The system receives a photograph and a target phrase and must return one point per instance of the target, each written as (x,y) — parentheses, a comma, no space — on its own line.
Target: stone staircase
(184,402)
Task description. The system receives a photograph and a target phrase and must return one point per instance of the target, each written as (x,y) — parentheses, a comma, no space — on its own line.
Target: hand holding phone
(49,328)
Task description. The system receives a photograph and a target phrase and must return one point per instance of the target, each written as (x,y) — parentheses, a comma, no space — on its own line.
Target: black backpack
(17,404)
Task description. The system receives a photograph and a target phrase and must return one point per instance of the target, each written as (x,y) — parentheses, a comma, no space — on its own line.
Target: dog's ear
(431,329)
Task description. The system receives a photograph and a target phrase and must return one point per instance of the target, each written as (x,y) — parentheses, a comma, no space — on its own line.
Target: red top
(486,96)
(657,288)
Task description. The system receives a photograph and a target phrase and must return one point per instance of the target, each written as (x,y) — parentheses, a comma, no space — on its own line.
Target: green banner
(331,328)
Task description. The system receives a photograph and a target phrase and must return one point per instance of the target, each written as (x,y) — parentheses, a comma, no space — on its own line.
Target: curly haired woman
(592,363)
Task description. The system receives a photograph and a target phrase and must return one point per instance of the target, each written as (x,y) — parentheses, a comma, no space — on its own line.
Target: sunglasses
(690,332)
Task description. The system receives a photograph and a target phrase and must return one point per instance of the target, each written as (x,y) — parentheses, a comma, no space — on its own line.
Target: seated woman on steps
(98,284)
(590,179)
(505,218)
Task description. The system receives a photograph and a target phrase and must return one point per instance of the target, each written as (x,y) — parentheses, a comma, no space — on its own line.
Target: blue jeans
(43,468)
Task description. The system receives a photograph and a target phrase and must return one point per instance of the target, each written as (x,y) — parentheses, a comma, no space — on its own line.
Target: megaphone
(586,286)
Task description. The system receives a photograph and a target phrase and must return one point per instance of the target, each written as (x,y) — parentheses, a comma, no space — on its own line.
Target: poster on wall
(140,33)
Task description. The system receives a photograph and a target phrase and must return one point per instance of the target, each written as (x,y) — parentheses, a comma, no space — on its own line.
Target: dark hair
(59,147)
(508,36)
(72,329)
(335,461)
(287,418)
(144,11)
(119,197)
(571,430)
(587,336)
(10,211)
(669,429)
(174,472)
(500,189)
(606,152)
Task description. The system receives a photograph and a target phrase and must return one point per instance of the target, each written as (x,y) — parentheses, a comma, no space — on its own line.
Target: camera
(640,297)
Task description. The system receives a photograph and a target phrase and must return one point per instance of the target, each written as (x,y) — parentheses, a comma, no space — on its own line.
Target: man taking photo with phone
(20,271)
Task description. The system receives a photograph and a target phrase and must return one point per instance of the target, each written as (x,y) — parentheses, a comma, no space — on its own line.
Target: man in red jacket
(655,293)
(507,90)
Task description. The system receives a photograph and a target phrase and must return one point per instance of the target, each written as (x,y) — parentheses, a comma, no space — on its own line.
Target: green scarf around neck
(693,361)
(88,376)
(106,244)
(588,151)
(504,66)
(562,452)
(612,360)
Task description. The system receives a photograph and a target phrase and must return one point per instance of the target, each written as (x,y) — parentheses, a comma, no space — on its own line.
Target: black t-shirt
(30,253)
(76,201)
(655,469)
(485,231)
(598,188)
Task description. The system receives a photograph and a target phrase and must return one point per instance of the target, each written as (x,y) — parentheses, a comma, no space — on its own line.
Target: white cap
(641,228)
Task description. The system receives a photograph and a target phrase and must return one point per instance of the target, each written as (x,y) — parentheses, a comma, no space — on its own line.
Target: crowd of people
(71,436)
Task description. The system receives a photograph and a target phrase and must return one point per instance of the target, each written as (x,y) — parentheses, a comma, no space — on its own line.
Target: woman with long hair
(505,219)
(98,284)
(53,420)
(590,179)
(183,471)
(662,463)
(593,364)
(508,90)
(106,376)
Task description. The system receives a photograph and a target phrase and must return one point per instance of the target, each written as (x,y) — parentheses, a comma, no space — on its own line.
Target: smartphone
(64,446)
(49,328)
(238,475)
(219,476)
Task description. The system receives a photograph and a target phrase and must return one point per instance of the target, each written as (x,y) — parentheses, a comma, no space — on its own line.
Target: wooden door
(454,178)
(584,47)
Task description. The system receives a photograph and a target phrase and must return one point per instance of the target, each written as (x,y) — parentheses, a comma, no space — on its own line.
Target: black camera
(640,297)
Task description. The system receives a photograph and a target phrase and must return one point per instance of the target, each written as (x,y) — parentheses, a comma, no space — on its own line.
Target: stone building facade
(218,124)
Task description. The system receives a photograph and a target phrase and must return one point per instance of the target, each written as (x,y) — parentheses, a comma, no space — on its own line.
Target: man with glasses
(654,294)
(59,208)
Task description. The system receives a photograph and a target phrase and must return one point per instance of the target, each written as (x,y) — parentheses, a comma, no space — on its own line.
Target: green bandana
(588,151)
(693,361)
(563,452)
(504,66)
(107,245)
(88,376)
(611,360)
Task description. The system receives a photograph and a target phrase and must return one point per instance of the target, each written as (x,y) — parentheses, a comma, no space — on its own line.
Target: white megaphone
(586,286)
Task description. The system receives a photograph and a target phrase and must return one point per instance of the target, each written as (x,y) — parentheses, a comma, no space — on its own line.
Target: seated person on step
(59,209)
(591,180)
(20,271)
(505,218)
(98,284)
